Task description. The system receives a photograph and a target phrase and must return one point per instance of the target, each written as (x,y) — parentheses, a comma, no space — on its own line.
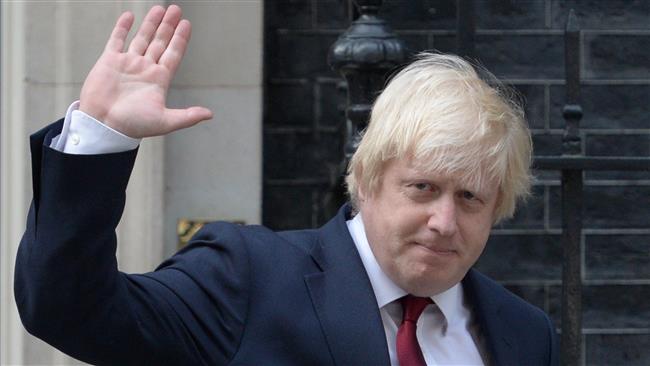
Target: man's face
(426,229)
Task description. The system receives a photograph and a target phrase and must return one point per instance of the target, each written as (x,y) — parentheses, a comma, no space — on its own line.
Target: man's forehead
(477,180)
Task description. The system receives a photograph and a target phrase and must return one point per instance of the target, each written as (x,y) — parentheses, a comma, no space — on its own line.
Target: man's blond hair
(438,112)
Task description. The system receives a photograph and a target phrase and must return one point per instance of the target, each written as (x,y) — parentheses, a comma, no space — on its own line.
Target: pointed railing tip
(572,22)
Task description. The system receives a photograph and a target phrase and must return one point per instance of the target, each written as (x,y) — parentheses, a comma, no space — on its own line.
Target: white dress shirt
(445,330)
(82,134)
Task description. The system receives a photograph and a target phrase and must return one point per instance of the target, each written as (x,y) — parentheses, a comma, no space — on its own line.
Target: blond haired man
(387,281)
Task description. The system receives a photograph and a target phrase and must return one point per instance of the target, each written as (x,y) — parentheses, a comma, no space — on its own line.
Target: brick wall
(522,43)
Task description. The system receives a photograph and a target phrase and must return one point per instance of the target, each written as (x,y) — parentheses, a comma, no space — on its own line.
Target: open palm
(127,90)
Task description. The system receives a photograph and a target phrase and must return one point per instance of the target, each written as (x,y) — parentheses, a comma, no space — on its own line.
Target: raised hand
(127,90)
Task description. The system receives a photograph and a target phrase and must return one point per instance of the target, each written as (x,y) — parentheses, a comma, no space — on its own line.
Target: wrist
(93,111)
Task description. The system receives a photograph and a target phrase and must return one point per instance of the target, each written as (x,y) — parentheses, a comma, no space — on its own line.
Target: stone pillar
(213,170)
(48,50)
(13,178)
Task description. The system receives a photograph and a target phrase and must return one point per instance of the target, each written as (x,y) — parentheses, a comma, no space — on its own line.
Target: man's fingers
(147,30)
(164,33)
(120,31)
(175,119)
(173,54)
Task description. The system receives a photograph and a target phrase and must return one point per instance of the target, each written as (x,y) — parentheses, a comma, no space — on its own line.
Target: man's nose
(442,217)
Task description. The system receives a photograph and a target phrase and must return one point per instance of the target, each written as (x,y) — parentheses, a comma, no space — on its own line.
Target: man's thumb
(176,119)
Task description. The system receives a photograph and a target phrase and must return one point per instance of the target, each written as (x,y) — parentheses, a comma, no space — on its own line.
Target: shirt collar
(450,302)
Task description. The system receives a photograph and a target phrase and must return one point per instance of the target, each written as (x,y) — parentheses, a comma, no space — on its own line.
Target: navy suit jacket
(237,295)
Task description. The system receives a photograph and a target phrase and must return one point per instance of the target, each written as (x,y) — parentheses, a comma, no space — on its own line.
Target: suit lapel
(498,337)
(344,300)
(347,308)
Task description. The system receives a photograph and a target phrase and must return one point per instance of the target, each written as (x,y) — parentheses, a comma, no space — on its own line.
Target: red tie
(408,349)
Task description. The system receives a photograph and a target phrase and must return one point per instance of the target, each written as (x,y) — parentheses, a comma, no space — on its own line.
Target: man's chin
(429,284)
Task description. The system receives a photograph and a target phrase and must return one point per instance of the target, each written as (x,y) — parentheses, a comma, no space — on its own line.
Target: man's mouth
(436,249)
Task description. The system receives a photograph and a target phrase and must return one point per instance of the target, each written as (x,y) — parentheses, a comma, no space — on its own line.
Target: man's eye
(422,186)
(469,196)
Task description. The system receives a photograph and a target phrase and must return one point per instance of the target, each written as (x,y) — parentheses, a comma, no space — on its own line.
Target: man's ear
(361,189)
(497,204)
(361,194)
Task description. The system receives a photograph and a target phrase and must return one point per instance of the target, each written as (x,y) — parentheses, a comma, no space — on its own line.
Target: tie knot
(413,307)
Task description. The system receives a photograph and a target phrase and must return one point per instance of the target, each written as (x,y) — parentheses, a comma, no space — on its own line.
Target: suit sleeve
(69,292)
(554,357)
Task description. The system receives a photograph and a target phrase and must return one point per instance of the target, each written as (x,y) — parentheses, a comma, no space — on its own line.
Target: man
(387,281)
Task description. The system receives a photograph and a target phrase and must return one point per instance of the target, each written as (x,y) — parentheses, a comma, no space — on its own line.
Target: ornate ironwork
(364,55)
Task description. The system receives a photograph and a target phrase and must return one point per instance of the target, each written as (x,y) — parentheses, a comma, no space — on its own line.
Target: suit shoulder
(227,231)
(525,324)
(486,289)
(228,234)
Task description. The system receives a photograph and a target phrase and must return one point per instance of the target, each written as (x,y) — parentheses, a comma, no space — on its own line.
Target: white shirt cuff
(82,134)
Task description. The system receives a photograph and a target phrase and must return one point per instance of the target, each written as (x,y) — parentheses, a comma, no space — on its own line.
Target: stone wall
(522,43)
